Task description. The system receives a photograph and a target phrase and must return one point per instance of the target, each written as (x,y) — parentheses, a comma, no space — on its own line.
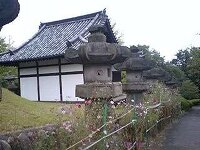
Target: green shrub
(123,77)
(195,102)
(189,90)
(185,104)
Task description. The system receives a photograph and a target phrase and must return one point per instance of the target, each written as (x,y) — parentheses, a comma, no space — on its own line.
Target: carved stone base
(136,87)
(99,90)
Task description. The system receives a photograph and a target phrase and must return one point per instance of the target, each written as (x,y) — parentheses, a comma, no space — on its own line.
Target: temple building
(44,74)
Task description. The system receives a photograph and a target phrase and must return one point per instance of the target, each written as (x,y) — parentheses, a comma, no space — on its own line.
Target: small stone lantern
(158,74)
(155,74)
(172,84)
(134,67)
(97,57)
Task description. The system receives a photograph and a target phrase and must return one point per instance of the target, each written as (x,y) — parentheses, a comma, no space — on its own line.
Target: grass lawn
(18,113)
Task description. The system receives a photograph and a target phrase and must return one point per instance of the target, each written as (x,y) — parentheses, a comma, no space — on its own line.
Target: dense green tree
(193,67)
(182,59)
(175,71)
(3,45)
(189,90)
(152,54)
(188,61)
(4,70)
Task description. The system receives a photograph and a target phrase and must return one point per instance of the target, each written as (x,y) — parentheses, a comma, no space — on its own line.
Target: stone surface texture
(134,67)
(25,142)
(4,145)
(99,90)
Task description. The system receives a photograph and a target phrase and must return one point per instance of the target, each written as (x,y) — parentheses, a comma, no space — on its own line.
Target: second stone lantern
(97,57)
(134,67)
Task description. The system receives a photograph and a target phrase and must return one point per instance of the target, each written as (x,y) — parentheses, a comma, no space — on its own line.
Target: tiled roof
(50,41)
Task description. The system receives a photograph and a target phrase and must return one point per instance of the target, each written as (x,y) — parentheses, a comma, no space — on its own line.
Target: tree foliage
(189,90)
(182,59)
(5,71)
(3,45)
(152,54)
(117,34)
(188,61)
(175,72)
(193,66)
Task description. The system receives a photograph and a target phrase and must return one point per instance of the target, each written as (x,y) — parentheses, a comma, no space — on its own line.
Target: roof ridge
(70,19)
(109,24)
(21,46)
(86,28)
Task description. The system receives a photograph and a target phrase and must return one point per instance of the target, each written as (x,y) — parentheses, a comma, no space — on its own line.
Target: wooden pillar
(38,80)
(60,79)
(18,70)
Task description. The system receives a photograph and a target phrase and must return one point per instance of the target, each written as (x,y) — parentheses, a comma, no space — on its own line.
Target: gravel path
(185,134)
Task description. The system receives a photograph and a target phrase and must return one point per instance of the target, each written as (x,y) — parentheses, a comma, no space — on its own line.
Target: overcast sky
(165,25)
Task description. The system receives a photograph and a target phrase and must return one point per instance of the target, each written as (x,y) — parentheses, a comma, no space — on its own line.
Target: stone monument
(155,74)
(134,67)
(97,57)
(172,84)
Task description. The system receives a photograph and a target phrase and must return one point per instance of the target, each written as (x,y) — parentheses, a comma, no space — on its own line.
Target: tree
(117,34)
(175,71)
(193,67)
(152,55)
(189,90)
(4,71)
(3,45)
(182,59)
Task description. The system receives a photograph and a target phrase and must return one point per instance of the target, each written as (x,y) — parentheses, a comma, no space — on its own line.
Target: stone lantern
(134,67)
(172,84)
(158,74)
(155,74)
(97,57)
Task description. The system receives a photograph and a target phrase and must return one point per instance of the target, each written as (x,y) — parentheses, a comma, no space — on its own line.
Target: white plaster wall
(69,83)
(50,69)
(28,71)
(49,85)
(71,68)
(49,88)
(28,88)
